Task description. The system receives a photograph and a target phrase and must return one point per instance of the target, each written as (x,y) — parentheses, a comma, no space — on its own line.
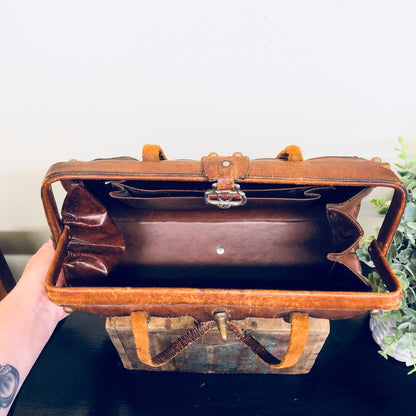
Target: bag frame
(241,303)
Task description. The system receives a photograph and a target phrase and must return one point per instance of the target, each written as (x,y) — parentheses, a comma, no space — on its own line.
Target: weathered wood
(210,354)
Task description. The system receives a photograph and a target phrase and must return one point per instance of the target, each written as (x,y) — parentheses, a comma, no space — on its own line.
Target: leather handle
(297,341)
(291,153)
(298,337)
(153,153)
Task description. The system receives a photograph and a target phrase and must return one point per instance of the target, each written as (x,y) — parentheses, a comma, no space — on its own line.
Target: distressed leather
(354,175)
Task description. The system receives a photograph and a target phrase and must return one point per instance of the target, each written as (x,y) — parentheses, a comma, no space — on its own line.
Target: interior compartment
(281,239)
(176,195)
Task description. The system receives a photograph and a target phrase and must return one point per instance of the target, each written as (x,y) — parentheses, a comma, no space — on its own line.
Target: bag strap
(298,337)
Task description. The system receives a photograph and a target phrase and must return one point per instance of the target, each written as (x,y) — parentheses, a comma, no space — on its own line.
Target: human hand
(30,289)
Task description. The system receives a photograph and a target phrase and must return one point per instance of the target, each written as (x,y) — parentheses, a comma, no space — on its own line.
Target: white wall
(87,79)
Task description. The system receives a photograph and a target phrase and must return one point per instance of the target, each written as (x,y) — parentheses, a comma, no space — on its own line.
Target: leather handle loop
(291,153)
(141,339)
(298,337)
(153,153)
(297,341)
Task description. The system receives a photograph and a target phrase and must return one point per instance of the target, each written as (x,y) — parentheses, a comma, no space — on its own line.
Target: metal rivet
(67,309)
(237,154)
(220,250)
(377,160)
(226,163)
(213,154)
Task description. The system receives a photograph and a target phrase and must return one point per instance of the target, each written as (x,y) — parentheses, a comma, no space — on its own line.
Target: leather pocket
(182,195)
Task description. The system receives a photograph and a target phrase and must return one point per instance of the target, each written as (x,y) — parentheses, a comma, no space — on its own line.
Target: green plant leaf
(383,354)
(400,165)
(397,315)
(404,155)
(389,339)
(412,371)
(410,212)
(404,342)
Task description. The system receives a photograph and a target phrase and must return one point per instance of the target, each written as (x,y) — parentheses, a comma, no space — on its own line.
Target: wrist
(34,303)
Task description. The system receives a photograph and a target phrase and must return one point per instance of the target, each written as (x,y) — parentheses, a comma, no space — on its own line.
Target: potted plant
(395,331)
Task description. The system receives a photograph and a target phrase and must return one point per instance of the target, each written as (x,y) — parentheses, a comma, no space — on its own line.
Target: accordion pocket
(95,245)
(347,232)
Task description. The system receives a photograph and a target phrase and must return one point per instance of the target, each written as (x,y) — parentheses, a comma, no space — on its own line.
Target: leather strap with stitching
(141,340)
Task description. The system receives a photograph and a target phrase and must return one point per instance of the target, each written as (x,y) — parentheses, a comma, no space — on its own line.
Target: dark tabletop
(79,373)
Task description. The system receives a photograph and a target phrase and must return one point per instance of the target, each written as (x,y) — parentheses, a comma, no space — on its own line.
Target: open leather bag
(220,240)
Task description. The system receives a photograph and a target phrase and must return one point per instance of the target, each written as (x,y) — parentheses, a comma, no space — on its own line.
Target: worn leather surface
(354,173)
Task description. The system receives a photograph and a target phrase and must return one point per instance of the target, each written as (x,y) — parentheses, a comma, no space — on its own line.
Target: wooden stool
(210,354)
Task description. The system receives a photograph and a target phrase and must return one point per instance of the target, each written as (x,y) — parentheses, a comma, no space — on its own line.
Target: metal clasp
(225,198)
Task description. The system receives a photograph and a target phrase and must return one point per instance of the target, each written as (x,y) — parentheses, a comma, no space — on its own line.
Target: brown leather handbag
(219,239)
